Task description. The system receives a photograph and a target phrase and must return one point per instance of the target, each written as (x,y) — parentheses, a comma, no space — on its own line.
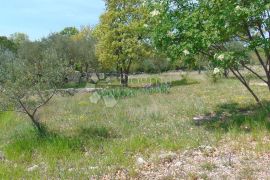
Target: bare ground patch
(230,160)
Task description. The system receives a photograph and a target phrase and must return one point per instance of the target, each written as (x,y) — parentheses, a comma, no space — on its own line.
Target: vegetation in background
(7,44)
(121,36)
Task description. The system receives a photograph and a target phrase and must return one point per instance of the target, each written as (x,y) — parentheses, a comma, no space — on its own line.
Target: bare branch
(24,108)
(251,70)
(257,53)
(44,103)
(243,81)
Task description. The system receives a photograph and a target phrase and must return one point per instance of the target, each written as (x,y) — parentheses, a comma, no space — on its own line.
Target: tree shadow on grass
(101,132)
(183,82)
(233,116)
(28,141)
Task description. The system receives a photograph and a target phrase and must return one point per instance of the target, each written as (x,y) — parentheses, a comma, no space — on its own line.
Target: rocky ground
(227,161)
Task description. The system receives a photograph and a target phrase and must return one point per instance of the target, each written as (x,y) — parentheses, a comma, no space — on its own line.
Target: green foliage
(7,44)
(131,92)
(19,38)
(76,48)
(120,35)
(83,45)
(225,31)
(29,81)
(211,28)
(156,64)
(69,31)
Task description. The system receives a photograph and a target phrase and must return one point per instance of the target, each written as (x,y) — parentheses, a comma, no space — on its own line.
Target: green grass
(90,139)
(131,92)
(208,166)
(75,85)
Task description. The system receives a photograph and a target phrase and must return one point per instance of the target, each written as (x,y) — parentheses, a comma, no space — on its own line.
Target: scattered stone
(198,120)
(178,164)
(147,86)
(207,150)
(121,174)
(140,161)
(94,78)
(216,162)
(74,76)
(70,91)
(224,161)
(167,157)
(32,168)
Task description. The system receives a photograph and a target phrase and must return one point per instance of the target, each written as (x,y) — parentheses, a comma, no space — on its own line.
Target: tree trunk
(200,69)
(86,72)
(124,79)
(243,81)
(226,73)
(125,84)
(121,76)
(38,126)
(253,94)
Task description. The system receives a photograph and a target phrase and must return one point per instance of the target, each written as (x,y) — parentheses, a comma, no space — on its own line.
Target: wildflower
(221,57)
(155,13)
(186,52)
(146,25)
(170,34)
(216,71)
(238,8)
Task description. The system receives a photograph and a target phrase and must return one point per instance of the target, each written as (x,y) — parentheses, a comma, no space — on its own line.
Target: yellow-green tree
(121,35)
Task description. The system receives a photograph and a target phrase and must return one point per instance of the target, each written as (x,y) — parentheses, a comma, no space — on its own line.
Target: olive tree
(28,83)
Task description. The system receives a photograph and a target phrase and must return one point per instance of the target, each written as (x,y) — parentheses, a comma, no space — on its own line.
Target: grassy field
(88,139)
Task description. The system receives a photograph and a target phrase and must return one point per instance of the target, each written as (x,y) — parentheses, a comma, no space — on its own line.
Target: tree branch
(44,103)
(248,68)
(257,53)
(240,78)
(24,108)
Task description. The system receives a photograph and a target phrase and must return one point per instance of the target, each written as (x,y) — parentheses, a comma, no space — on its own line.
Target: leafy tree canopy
(120,35)
(69,31)
(5,43)
(187,28)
